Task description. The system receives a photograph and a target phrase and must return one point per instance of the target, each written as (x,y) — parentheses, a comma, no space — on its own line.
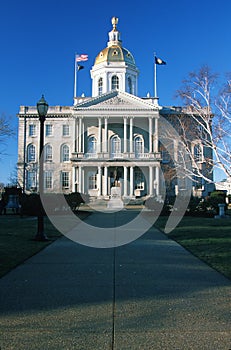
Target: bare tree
(5,130)
(205,124)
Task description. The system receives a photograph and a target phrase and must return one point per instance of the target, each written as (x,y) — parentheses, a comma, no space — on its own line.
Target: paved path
(149,294)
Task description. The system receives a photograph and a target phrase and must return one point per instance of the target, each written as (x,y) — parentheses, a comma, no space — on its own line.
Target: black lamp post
(42,108)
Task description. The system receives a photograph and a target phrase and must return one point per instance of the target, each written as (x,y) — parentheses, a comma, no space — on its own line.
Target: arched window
(100,86)
(115,83)
(48,153)
(130,85)
(92,145)
(65,153)
(30,153)
(139,145)
(115,145)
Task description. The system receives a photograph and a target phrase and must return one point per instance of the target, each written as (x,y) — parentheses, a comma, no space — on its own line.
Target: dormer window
(115,53)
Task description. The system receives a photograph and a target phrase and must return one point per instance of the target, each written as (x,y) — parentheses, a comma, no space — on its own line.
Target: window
(130,85)
(139,145)
(66,130)
(31,180)
(32,130)
(92,145)
(115,145)
(65,179)
(48,153)
(49,130)
(93,182)
(166,158)
(100,86)
(65,154)
(139,179)
(198,153)
(48,179)
(31,153)
(115,83)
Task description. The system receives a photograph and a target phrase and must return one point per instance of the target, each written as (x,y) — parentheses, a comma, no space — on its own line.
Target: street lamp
(42,108)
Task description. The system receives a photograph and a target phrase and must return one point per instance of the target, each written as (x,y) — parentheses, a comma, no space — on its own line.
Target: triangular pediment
(115,100)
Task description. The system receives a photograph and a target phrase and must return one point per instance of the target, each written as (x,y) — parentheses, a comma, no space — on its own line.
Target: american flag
(80,58)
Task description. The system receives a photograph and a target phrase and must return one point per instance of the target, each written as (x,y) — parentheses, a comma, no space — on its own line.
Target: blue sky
(40,38)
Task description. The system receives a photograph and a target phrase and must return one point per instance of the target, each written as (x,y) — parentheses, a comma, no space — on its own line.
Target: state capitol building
(108,140)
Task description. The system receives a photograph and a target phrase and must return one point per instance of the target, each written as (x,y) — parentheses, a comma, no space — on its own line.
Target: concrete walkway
(149,294)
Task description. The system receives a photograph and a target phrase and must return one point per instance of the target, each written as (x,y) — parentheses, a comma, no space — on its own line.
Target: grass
(207,238)
(17,239)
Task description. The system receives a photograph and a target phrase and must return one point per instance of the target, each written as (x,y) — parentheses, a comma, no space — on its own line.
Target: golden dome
(115,53)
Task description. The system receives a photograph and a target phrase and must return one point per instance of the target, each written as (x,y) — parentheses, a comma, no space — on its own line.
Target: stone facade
(108,140)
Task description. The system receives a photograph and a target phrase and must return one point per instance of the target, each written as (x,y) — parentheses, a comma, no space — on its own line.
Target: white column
(83,178)
(125,181)
(83,138)
(131,135)
(105,135)
(125,134)
(80,135)
(100,180)
(131,180)
(75,136)
(150,180)
(80,178)
(105,181)
(99,135)
(150,134)
(73,178)
(157,181)
(156,136)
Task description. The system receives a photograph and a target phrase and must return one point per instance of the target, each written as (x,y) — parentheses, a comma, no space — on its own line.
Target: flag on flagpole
(82,57)
(159,61)
(79,67)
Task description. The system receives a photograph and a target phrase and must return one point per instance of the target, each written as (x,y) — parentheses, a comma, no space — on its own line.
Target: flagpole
(155,79)
(75,79)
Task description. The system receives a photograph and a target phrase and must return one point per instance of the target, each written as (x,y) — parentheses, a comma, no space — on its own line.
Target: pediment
(116,100)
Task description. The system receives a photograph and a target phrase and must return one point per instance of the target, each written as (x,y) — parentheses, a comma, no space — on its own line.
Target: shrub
(31,204)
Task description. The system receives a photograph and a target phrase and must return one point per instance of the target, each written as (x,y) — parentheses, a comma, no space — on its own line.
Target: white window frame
(49,130)
(48,153)
(65,179)
(48,180)
(115,145)
(32,130)
(31,179)
(100,86)
(92,144)
(31,153)
(115,82)
(139,145)
(66,130)
(65,156)
(92,182)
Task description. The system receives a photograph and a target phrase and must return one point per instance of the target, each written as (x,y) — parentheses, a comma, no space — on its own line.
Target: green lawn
(207,238)
(16,240)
